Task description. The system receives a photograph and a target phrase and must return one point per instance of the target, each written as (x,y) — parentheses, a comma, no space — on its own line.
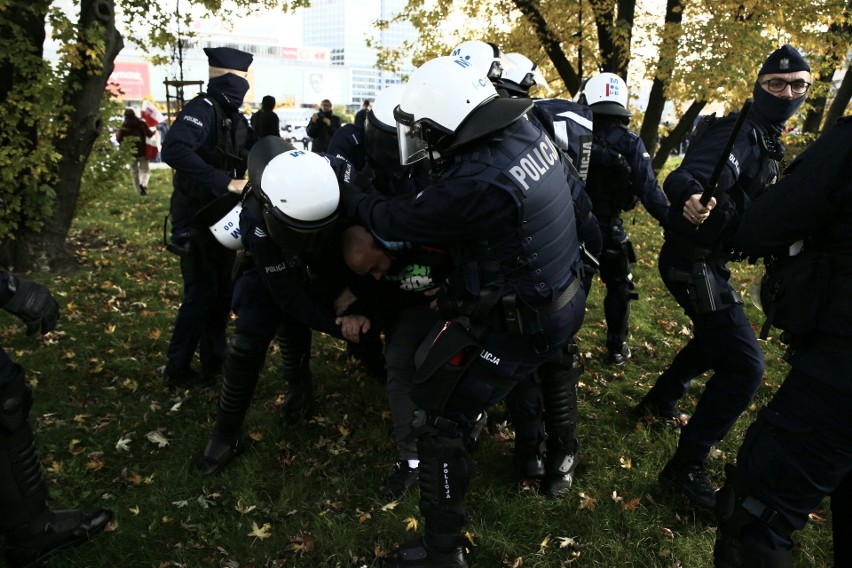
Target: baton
(710,188)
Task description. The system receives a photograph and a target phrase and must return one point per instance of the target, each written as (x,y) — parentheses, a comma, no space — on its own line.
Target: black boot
(33,532)
(55,531)
(524,403)
(735,522)
(419,554)
(445,471)
(841,522)
(243,361)
(559,376)
(691,480)
(294,342)
(299,404)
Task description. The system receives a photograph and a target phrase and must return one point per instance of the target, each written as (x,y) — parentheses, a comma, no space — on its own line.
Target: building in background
(300,59)
(342,27)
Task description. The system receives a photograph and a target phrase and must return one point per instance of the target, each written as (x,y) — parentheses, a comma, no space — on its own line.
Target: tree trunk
(821,88)
(684,127)
(840,102)
(84,87)
(551,43)
(604,11)
(672,32)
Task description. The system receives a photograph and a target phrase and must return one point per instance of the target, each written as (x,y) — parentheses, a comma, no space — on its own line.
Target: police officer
(501,196)
(692,263)
(290,273)
(620,174)
(544,407)
(32,531)
(206,146)
(799,449)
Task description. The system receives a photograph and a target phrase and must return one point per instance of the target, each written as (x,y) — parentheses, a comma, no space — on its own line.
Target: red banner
(132,78)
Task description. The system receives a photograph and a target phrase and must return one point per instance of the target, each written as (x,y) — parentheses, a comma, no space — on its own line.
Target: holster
(441,360)
(704,292)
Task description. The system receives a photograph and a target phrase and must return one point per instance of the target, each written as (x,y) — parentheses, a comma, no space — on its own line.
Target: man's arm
(187,134)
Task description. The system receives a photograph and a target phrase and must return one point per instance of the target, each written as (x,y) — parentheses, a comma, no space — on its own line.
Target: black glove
(33,303)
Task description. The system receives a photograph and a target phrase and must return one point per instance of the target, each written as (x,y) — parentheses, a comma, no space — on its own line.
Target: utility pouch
(704,292)
(512,315)
(183,245)
(441,360)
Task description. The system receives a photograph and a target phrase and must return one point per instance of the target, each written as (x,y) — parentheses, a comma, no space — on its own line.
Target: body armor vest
(569,125)
(231,136)
(539,257)
(610,184)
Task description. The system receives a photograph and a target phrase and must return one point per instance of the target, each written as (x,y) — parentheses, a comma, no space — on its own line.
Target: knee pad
(247,349)
(445,472)
(559,378)
(15,403)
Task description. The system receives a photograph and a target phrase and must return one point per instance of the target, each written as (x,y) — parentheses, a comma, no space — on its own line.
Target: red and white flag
(151,115)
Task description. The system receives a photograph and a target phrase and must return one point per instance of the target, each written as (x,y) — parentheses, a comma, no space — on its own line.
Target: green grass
(97,381)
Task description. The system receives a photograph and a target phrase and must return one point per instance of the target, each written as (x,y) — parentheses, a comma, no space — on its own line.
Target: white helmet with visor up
(447,103)
(485,57)
(520,74)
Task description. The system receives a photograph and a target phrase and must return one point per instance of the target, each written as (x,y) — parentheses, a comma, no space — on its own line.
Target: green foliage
(107,164)
(100,409)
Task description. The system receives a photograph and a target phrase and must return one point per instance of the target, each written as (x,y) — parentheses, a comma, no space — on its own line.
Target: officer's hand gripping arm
(33,303)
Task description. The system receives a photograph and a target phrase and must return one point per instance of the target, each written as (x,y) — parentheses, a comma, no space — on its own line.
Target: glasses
(798,87)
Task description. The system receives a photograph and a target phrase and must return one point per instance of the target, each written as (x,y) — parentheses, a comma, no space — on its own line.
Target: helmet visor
(412,147)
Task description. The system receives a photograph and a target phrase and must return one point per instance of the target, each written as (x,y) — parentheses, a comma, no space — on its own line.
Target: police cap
(228,58)
(785,59)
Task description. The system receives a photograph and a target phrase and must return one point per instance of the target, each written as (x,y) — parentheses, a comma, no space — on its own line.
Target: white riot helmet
(520,74)
(299,193)
(606,93)
(222,217)
(381,113)
(485,57)
(447,103)
(380,127)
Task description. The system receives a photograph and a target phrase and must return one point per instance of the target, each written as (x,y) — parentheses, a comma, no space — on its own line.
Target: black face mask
(771,111)
(230,89)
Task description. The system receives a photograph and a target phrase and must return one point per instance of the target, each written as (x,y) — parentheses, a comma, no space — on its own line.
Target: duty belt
(562,300)
(693,252)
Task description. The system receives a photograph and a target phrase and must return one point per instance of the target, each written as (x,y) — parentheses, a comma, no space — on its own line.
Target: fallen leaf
(410,524)
(134,510)
(817,517)
(666,532)
(565,542)
(123,444)
(157,438)
(243,509)
(626,463)
(390,506)
(96,461)
(588,502)
(303,543)
(263,532)
(630,505)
